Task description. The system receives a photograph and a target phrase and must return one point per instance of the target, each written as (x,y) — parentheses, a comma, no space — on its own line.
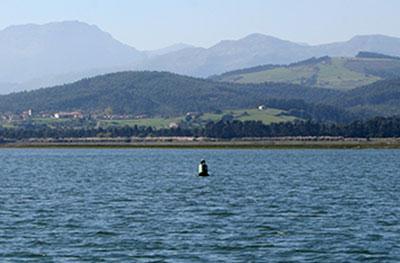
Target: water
(147,205)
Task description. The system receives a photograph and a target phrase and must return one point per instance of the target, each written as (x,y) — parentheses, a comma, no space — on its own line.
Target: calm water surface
(147,205)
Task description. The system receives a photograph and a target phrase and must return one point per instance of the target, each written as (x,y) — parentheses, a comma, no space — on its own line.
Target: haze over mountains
(33,56)
(258,49)
(33,52)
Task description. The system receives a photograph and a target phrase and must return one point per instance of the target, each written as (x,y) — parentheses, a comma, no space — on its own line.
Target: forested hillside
(165,94)
(153,93)
(378,99)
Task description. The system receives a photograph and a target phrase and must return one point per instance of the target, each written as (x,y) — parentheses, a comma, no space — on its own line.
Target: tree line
(378,127)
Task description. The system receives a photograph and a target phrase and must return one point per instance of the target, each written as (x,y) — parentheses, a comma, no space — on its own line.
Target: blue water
(147,205)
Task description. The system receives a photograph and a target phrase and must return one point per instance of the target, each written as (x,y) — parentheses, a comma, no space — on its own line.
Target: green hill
(153,94)
(381,98)
(325,72)
(166,97)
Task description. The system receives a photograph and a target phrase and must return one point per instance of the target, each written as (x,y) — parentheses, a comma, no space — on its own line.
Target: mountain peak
(34,51)
(67,23)
(259,36)
(363,38)
(255,40)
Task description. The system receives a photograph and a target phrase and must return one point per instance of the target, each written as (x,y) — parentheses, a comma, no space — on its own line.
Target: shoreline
(189,142)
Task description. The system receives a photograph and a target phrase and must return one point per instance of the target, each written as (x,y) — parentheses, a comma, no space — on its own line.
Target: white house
(262,107)
(66,115)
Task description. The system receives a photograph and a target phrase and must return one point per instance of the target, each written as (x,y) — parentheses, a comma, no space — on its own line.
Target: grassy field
(7,125)
(291,75)
(151,122)
(332,74)
(338,76)
(49,121)
(267,116)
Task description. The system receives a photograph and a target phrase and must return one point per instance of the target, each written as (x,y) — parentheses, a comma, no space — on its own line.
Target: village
(108,118)
(30,114)
(96,119)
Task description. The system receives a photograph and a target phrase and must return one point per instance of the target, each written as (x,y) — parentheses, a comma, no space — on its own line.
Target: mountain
(154,94)
(326,72)
(372,43)
(258,49)
(30,52)
(228,55)
(34,56)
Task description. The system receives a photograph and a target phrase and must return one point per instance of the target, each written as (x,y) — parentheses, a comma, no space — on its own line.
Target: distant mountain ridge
(374,55)
(258,49)
(33,56)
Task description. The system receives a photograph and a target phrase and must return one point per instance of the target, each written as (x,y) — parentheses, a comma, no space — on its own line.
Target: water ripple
(148,205)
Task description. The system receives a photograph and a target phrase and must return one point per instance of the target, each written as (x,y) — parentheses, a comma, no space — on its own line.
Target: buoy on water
(203,168)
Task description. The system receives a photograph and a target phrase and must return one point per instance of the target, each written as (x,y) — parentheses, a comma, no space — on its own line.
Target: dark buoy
(203,168)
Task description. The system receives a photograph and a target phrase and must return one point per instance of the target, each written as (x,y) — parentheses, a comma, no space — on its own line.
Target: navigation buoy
(203,168)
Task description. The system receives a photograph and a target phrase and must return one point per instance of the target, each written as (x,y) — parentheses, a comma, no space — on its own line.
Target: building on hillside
(5,117)
(193,114)
(46,115)
(68,115)
(8,117)
(26,114)
(141,116)
(173,125)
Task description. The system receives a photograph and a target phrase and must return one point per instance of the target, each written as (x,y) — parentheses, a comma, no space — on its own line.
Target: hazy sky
(150,24)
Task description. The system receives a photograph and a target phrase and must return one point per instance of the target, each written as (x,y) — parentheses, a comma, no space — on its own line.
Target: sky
(152,24)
